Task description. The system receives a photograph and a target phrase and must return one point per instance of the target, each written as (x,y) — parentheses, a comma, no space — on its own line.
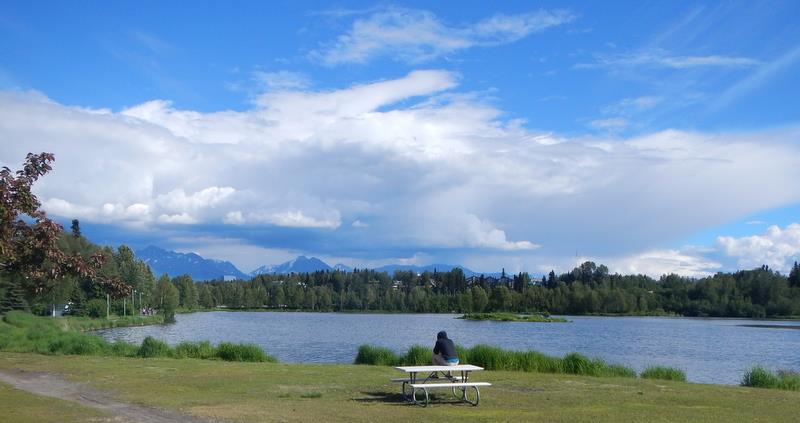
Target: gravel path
(51,385)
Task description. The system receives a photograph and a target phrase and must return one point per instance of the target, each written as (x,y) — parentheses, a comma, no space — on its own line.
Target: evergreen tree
(794,276)
(13,298)
(76,228)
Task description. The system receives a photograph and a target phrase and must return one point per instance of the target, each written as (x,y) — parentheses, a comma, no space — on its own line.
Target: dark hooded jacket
(444,346)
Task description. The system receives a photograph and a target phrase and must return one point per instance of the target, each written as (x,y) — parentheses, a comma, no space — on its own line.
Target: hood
(441,335)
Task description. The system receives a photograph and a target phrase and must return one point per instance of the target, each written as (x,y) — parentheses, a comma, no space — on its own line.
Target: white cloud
(763,74)
(418,35)
(297,219)
(610,123)
(480,233)
(662,59)
(777,248)
(281,80)
(656,263)
(633,104)
(208,197)
(288,219)
(428,167)
(183,218)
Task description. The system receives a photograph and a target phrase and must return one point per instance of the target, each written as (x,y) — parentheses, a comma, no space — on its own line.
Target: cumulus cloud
(428,167)
(295,219)
(208,197)
(417,35)
(777,248)
(183,218)
(656,263)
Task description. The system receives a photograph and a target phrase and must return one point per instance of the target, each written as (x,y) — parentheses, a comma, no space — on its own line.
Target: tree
(167,296)
(794,276)
(30,249)
(206,299)
(76,228)
(13,297)
(479,299)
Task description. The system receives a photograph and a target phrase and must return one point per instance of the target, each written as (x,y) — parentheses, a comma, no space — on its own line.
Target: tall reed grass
(493,358)
(759,377)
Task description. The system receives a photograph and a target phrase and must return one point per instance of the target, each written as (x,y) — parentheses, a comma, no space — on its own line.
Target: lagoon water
(708,350)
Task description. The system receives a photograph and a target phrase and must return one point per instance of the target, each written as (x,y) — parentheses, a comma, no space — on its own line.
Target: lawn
(254,392)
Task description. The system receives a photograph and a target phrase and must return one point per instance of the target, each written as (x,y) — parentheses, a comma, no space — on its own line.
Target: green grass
(84,324)
(257,392)
(494,358)
(759,377)
(511,317)
(663,373)
(23,332)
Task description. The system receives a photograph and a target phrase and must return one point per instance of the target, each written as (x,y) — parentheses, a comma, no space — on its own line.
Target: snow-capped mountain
(301,264)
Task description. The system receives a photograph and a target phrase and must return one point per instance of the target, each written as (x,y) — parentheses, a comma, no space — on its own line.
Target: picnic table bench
(454,377)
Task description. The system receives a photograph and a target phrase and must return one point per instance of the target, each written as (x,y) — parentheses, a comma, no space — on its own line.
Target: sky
(653,137)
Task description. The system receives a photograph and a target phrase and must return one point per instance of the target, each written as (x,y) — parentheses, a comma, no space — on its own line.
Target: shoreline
(388,312)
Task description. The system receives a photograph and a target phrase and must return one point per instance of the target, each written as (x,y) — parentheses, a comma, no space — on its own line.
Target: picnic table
(454,377)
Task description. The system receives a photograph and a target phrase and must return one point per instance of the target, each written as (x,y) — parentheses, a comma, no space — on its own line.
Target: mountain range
(174,264)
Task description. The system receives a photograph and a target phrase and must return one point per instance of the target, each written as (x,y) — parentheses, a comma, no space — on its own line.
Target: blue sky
(651,136)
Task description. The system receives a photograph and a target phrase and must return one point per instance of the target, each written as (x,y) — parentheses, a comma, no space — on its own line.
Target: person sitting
(444,352)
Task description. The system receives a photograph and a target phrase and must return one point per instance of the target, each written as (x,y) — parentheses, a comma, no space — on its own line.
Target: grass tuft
(663,373)
(152,347)
(243,352)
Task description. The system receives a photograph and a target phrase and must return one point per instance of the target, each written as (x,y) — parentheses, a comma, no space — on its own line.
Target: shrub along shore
(493,358)
(25,333)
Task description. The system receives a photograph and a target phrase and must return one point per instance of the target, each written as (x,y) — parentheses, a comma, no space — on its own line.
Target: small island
(512,317)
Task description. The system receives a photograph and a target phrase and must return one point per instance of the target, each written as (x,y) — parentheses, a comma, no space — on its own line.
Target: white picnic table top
(425,369)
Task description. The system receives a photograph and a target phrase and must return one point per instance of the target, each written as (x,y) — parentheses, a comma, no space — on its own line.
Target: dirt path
(51,385)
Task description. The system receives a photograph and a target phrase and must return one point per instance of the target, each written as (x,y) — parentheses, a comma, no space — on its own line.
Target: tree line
(587,289)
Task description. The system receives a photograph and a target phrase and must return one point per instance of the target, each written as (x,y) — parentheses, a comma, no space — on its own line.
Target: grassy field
(254,392)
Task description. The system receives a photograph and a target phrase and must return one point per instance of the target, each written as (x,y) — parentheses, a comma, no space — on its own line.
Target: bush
(152,347)
(663,373)
(759,377)
(95,308)
(78,344)
(202,350)
(243,352)
(417,356)
(378,356)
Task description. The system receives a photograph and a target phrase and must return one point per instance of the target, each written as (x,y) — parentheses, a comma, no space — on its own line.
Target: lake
(708,350)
